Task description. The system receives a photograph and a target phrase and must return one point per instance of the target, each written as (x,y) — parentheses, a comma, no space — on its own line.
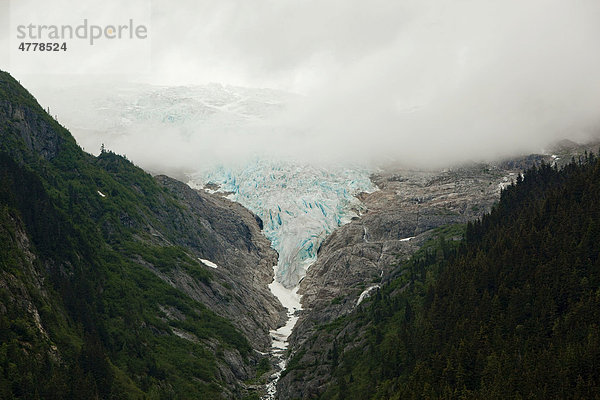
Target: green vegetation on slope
(103,311)
(513,312)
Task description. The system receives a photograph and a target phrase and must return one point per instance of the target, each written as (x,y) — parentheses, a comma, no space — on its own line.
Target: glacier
(171,130)
(299,204)
(202,126)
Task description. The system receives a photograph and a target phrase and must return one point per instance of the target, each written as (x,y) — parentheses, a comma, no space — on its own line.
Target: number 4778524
(34,46)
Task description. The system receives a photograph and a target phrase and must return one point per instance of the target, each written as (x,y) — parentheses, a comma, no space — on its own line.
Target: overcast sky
(421,81)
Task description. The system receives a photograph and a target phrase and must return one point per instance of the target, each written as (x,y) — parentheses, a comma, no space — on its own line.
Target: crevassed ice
(299,205)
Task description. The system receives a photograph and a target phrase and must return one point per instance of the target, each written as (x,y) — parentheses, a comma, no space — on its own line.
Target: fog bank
(427,83)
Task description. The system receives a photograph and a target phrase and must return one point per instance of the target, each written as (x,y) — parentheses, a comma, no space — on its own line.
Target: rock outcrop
(225,233)
(129,285)
(365,253)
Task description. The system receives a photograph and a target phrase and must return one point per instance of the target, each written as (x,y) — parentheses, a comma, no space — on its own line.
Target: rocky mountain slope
(362,256)
(130,285)
(114,283)
(508,311)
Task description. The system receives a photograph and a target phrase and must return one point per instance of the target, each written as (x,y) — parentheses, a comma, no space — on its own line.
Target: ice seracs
(299,206)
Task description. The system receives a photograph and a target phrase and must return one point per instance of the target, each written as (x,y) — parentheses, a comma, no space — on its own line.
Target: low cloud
(425,83)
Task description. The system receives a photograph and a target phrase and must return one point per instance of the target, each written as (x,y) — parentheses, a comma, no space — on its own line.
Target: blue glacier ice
(299,204)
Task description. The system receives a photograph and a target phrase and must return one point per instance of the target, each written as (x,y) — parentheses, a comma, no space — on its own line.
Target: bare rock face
(37,133)
(156,214)
(398,218)
(228,235)
(362,255)
(365,253)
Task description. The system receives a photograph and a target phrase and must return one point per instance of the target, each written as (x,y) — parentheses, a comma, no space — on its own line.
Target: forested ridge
(510,311)
(83,311)
(513,311)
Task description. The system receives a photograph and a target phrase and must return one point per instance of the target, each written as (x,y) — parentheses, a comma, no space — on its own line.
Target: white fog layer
(425,82)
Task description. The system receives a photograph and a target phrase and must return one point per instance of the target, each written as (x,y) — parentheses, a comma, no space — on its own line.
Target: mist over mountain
(375,200)
(171,129)
(424,83)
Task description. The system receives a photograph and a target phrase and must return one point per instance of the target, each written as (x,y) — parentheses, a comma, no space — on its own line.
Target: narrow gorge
(340,236)
(299,205)
(255,279)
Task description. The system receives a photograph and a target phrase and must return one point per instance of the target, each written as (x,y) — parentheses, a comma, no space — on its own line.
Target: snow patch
(503,185)
(208,263)
(366,293)
(101,194)
(408,239)
(290,300)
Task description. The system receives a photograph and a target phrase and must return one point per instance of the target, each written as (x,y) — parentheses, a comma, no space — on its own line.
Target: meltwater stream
(299,205)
